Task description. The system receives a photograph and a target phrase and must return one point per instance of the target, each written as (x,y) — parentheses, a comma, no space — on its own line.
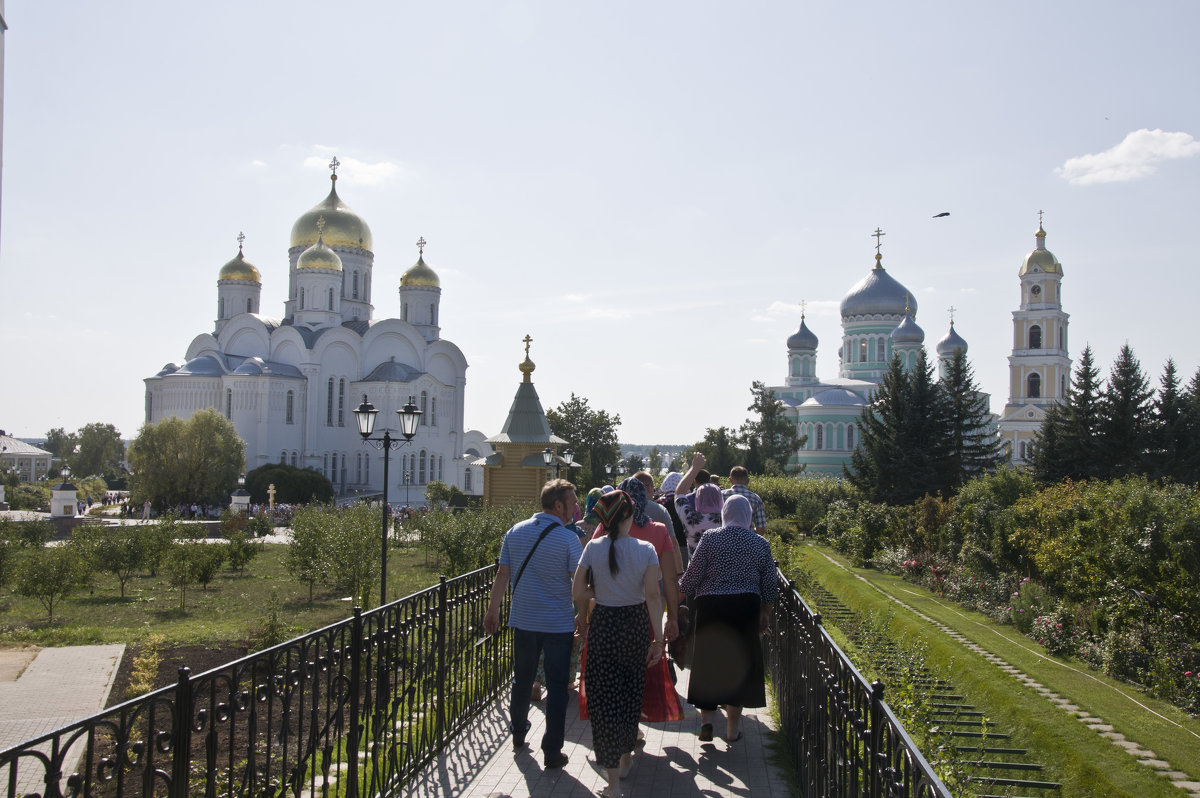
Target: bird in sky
(940,215)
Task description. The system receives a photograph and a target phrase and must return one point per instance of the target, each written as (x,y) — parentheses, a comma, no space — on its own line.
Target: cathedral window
(329,403)
(850,436)
(820,436)
(295,458)
(1035,386)
(421,469)
(249,305)
(441,478)
(331,299)
(432,317)
(221,307)
(228,403)
(366,468)
(404,312)
(424,407)
(358,467)
(467,479)
(433,412)
(302,299)
(342,402)
(289,413)
(149,408)
(862,351)
(354,286)
(881,350)
(325,465)
(283,457)
(333,470)
(1035,337)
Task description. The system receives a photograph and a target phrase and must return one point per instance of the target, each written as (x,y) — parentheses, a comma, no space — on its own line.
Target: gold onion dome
(343,227)
(319,257)
(240,269)
(420,275)
(1041,258)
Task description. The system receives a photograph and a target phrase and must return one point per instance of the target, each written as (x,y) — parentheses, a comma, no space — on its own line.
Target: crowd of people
(601,588)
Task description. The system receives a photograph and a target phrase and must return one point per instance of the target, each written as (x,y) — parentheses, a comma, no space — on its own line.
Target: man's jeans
(527,646)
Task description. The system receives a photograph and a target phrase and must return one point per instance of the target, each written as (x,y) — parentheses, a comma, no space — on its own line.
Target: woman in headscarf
(699,511)
(624,635)
(590,521)
(667,500)
(733,579)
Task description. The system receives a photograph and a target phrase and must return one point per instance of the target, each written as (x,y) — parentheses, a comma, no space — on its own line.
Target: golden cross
(241,238)
(320,224)
(1040,218)
(952,309)
(333,166)
(878,234)
(527,341)
(421,246)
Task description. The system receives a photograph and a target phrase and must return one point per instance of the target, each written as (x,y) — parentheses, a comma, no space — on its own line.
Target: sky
(648,190)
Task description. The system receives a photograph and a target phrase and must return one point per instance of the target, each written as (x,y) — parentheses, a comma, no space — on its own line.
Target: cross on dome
(803,308)
(952,309)
(333,166)
(527,341)
(878,234)
(421,253)
(320,225)
(1040,212)
(240,238)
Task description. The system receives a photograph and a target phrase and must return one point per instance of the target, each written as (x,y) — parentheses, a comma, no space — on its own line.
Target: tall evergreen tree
(974,447)
(1168,437)
(771,439)
(1189,469)
(1068,444)
(1126,417)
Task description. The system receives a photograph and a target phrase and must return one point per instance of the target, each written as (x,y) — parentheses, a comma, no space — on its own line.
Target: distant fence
(354,709)
(843,737)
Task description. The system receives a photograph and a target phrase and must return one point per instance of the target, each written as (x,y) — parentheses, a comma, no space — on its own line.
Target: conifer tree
(1126,417)
(1168,438)
(1189,469)
(1068,443)
(974,447)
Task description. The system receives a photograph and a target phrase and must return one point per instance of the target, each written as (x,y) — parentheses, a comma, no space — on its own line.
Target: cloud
(257,164)
(360,172)
(1134,158)
(577,299)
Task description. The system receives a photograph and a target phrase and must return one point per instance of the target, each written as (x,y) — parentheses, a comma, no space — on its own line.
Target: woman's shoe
(706,733)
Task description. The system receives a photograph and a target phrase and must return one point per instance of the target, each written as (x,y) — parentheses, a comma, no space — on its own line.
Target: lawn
(1083,761)
(229,612)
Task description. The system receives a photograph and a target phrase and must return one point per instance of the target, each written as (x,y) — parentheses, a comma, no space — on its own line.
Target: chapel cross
(333,166)
(527,341)
(803,307)
(421,246)
(241,238)
(952,309)
(878,234)
(1040,218)
(320,224)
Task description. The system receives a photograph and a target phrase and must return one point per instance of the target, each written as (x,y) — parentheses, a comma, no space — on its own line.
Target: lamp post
(548,458)
(365,416)
(241,497)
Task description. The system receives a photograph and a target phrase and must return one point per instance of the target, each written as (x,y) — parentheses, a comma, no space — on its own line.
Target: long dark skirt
(727,662)
(617,643)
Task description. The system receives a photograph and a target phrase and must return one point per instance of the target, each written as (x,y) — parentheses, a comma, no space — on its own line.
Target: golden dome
(319,257)
(240,269)
(420,275)
(343,227)
(1041,260)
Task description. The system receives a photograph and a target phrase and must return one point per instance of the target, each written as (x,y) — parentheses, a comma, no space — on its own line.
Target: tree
(1126,420)
(51,574)
(101,451)
(190,559)
(292,485)
(593,436)
(654,460)
(117,550)
(771,440)
(197,460)
(974,447)
(60,443)
(1169,444)
(1067,446)
(307,557)
(720,449)
(440,495)
(903,445)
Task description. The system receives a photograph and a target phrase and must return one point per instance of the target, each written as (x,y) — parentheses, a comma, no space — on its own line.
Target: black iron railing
(843,737)
(354,709)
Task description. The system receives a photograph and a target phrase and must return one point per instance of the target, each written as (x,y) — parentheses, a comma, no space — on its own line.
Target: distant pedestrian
(739,481)
(146,511)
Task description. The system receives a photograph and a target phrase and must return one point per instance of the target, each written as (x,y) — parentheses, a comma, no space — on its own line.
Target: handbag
(681,647)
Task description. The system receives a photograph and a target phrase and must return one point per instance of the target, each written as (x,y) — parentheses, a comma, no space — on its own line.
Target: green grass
(229,612)
(1084,762)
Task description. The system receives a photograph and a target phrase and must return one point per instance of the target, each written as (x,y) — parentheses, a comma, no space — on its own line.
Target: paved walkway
(59,686)
(674,763)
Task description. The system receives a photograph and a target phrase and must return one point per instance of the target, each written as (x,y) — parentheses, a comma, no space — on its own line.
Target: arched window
(354,286)
(404,312)
(440,476)
(325,465)
(881,350)
(467,479)
(820,436)
(432,317)
(424,407)
(228,403)
(289,413)
(283,457)
(302,299)
(331,299)
(862,351)
(367,468)
(342,402)
(333,469)
(295,458)
(850,436)
(1035,386)
(421,469)
(249,305)
(367,286)
(1035,337)
(358,467)
(433,412)
(329,403)
(220,307)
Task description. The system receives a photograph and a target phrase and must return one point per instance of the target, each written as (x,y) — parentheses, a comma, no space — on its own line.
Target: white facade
(290,385)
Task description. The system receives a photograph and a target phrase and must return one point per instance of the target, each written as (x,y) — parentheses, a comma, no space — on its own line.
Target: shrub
(1030,601)
(145,667)
(1056,632)
(241,550)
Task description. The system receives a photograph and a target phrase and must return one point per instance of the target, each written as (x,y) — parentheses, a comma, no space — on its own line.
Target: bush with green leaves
(338,547)
(857,530)
(469,539)
(51,574)
(191,560)
(116,550)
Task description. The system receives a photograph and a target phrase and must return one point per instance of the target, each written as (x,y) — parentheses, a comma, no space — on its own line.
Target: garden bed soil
(198,658)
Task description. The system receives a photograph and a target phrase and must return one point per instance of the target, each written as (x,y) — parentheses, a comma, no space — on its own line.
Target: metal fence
(354,709)
(843,737)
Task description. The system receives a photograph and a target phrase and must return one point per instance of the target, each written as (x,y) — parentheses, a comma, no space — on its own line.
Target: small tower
(908,339)
(802,355)
(318,284)
(239,288)
(421,296)
(950,345)
(517,471)
(1039,369)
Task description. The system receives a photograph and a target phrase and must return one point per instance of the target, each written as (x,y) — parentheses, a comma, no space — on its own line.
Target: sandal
(706,733)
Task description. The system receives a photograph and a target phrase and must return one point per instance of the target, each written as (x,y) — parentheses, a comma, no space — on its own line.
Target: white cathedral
(879,322)
(290,385)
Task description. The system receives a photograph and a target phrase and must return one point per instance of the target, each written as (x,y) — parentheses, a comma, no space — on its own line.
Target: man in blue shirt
(539,557)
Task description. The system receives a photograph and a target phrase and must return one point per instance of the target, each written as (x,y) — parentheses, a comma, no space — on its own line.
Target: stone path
(57,687)
(1144,756)
(674,763)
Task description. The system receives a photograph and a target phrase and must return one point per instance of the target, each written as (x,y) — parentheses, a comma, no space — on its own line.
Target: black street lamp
(365,416)
(548,458)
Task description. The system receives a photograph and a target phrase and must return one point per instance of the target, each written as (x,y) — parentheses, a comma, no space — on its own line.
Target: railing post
(356,646)
(443,611)
(877,755)
(181,735)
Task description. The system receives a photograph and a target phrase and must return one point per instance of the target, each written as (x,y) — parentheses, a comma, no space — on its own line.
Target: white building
(290,384)
(1039,369)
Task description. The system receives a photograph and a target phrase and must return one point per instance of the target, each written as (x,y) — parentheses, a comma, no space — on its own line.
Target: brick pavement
(60,686)
(674,763)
